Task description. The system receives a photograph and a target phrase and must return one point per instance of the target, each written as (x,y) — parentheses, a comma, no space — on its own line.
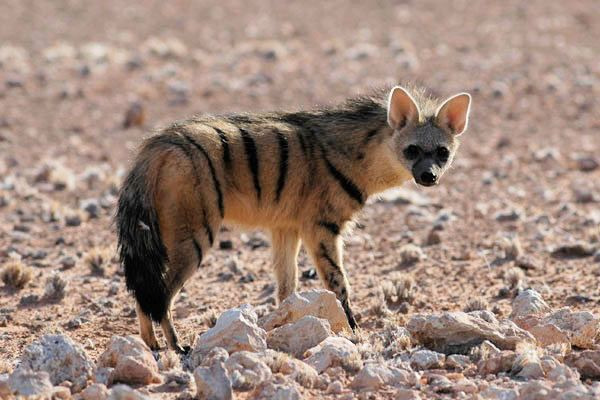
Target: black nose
(428,178)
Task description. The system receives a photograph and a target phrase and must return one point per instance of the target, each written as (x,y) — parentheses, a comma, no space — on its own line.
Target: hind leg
(146,328)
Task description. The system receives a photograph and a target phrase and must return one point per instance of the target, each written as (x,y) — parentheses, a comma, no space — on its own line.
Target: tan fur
(330,161)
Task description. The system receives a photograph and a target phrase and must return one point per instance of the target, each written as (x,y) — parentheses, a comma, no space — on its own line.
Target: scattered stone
(528,366)
(335,387)
(587,164)
(575,250)
(297,337)
(375,375)
(509,215)
(124,392)
(73,220)
(311,274)
(104,376)
(458,332)
(24,382)
(586,362)
(297,370)
(498,393)
(131,359)
(334,351)
(528,302)
(458,361)
(135,115)
(563,326)
(426,359)
(95,391)
(61,358)
(246,370)
(91,207)
(316,302)
(212,383)
(236,330)
(280,388)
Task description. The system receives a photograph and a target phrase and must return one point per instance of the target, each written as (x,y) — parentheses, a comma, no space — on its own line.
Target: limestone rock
(375,375)
(61,358)
(25,382)
(331,352)
(319,303)
(131,359)
(458,361)
(246,370)
(426,359)
(96,391)
(528,302)
(212,383)
(124,392)
(498,393)
(528,366)
(297,337)
(280,388)
(497,362)
(235,330)
(457,332)
(587,363)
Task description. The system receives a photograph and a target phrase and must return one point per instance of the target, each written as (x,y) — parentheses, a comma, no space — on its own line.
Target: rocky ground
(482,287)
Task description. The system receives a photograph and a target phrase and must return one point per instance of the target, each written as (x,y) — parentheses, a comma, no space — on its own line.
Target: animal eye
(442,153)
(412,152)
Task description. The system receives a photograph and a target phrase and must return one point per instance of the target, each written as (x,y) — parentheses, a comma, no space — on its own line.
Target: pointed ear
(454,113)
(402,108)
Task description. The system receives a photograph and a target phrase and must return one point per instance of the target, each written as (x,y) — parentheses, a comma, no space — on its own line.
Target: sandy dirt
(527,168)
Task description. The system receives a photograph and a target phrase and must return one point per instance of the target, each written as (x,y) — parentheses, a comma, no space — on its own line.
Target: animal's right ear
(402,108)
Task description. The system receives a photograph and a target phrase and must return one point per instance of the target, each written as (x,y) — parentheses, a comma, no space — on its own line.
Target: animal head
(425,136)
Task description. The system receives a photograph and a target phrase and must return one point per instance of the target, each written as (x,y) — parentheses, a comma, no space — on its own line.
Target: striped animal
(302,175)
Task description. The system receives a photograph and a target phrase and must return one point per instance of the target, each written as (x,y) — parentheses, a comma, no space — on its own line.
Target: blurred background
(82,82)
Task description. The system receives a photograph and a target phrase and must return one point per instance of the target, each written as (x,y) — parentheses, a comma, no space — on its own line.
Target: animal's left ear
(454,113)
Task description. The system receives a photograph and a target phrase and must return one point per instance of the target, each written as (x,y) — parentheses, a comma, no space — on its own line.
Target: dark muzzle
(426,172)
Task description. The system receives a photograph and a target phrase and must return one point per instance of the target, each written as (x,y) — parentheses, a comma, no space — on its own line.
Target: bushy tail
(141,249)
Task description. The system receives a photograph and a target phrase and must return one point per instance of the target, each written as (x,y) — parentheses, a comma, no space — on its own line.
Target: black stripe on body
(216,183)
(198,251)
(252,155)
(225,144)
(371,135)
(303,144)
(209,233)
(283,163)
(330,226)
(350,187)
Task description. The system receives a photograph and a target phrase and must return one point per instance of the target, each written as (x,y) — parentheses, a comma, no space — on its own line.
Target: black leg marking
(216,183)
(349,314)
(250,147)
(328,258)
(350,187)
(330,226)
(225,144)
(283,163)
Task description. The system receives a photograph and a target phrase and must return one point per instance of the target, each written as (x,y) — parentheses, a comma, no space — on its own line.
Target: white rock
(319,303)
(458,361)
(216,354)
(498,393)
(331,352)
(104,376)
(528,366)
(61,358)
(582,327)
(235,330)
(406,394)
(528,302)
(426,359)
(24,382)
(587,363)
(335,387)
(295,369)
(375,375)
(212,383)
(297,337)
(131,359)
(96,391)
(246,370)
(280,388)
(456,332)
(124,392)
(497,362)
(4,387)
